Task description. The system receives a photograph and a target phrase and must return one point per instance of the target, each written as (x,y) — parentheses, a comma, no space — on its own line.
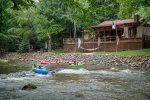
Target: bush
(25,45)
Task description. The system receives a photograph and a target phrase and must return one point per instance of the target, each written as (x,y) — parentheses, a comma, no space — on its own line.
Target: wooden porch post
(116,40)
(104,40)
(82,40)
(93,41)
(110,35)
(75,37)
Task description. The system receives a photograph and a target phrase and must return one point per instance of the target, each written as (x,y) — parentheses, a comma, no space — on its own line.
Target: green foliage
(55,28)
(18,4)
(51,10)
(8,39)
(25,45)
(144,12)
(128,8)
(26,23)
(107,9)
(79,11)
(29,23)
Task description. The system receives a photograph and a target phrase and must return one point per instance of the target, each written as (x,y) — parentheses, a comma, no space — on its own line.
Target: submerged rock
(29,86)
(79,94)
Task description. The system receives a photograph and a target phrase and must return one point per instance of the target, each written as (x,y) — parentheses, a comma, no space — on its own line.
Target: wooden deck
(103,44)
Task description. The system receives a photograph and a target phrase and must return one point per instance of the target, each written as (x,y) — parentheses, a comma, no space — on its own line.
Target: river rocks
(90,59)
(29,86)
(79,95)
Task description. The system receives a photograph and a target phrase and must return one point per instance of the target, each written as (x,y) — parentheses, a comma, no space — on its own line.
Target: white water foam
(114,69)
(127,71)
(23,76)
(18,78)
(103,72)
(42,75)
(73,71)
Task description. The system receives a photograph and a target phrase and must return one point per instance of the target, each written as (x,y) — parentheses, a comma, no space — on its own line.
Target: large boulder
(29,86)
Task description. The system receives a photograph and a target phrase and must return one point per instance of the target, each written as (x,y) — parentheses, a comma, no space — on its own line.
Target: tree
(7,10)
(28,24)
(54,28)
(128,8)
(144,12)
(53,13)
(79,12)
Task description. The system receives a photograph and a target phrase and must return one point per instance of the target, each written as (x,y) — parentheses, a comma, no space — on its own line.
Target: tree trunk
(46,47)
(75,37)
(49,43)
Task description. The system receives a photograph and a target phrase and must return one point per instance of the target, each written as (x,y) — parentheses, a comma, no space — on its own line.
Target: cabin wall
(140,30)
(126,32)
(146,37)
(86,36)
(143,31)
(146,31)
(69,47)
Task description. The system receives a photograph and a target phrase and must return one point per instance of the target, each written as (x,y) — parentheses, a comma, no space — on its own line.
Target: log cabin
(112,35)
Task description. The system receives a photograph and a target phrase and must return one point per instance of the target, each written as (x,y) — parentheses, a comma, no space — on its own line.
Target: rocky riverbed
(92,61)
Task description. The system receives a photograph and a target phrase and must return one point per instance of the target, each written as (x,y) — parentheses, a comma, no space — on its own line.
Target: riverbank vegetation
(31,25)
(145,52)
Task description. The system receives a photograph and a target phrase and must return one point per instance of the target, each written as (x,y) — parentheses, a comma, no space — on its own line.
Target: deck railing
(102,39)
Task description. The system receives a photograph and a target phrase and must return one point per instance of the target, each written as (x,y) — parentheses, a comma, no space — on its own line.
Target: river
(73,84)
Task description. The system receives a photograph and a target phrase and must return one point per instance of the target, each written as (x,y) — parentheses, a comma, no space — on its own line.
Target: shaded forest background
(29,25)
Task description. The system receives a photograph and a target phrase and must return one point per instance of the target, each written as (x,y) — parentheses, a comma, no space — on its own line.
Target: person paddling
(57,61)
(34,65)
(75,62)
(40,67)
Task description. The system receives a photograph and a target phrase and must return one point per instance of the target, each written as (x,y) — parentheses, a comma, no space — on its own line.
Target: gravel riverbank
(92,61)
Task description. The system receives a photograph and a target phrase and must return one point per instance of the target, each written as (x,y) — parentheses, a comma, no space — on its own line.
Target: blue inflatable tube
(40,71)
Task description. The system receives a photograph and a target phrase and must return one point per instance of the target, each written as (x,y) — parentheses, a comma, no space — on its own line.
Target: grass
(58,51)
(145,52)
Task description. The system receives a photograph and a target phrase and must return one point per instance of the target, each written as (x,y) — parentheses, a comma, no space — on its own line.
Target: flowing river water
(73,84)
